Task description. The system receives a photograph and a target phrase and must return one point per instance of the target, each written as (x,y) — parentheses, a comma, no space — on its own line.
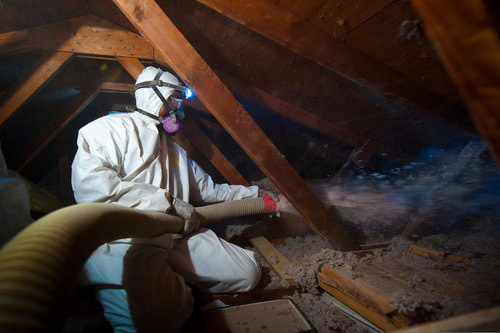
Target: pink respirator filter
(170,126)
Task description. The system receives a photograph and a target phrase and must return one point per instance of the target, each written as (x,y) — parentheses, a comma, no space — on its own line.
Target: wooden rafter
(194,134)
(152,22)
(48,66)
(309,41)
(470,49)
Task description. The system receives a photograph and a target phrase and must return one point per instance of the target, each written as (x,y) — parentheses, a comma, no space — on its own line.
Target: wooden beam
(481,321)
(431,253)
(468,44)
(376,319)
(134,67)
(50,132)
(46,68)
(87,34)
(152,22)
(309,41)
(363,293)
(274,257)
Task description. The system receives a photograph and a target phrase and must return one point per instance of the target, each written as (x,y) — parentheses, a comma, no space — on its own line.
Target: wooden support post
(195,134)
(44,71)
(152,22)
(285,28)
(468,44)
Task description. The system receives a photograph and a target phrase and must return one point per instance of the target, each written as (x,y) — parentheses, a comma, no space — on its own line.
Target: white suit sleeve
(95,177)
(204,190)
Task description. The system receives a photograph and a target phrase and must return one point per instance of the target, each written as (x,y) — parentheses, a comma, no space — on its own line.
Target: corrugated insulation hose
(38,268)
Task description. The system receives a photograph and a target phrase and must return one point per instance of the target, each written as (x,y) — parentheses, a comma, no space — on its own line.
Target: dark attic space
(249,166)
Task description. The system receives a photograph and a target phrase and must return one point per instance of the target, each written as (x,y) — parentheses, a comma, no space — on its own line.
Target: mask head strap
(186,92)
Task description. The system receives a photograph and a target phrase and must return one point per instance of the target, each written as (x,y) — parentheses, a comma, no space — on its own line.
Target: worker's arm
(204,190)
(95,177)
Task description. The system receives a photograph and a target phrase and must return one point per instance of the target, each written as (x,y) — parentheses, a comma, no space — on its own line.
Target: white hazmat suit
(125,159)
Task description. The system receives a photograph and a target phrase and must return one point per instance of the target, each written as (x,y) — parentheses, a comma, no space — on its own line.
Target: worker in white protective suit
(127,159)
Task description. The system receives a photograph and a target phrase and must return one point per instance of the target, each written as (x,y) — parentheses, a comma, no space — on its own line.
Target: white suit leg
(154,298)
(214,265)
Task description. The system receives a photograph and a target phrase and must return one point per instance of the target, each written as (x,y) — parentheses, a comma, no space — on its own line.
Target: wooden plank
(277,261)
(468,45)
(480,321)
(48,66)
(87,34)
(357,289)
(434,253)
(50,132)
(376,319)
(152,22)
(134,67)
(286,29)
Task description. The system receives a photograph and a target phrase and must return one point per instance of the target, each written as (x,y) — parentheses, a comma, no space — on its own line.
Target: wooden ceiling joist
(194,134)
(309,41)
(469,46)
(152,22)
(45,69)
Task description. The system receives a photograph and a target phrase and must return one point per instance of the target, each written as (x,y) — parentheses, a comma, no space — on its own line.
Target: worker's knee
(249,276)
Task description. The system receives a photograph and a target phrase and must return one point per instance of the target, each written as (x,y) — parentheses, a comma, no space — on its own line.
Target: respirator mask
(171,121)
